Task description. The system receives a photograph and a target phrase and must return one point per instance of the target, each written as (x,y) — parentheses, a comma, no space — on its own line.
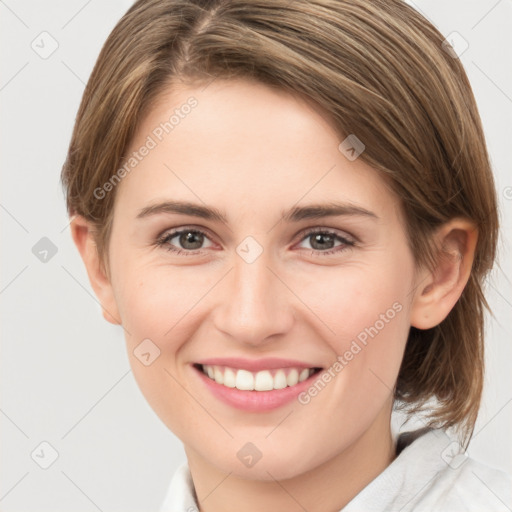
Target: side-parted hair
(383,73)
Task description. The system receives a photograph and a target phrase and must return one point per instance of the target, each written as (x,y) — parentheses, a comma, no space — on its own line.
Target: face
(253,281)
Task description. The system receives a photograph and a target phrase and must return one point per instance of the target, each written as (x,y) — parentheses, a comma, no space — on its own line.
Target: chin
(270,467)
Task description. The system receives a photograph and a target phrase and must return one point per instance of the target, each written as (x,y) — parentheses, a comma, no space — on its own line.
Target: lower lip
(255,401)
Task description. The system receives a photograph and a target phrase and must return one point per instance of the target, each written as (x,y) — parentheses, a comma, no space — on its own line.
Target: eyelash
(163,241)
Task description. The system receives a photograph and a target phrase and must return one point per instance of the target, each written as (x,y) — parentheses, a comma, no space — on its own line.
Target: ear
(82,233)
(438,290)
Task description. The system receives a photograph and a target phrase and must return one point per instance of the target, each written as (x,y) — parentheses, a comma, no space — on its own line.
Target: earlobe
(81,231)
(438,291)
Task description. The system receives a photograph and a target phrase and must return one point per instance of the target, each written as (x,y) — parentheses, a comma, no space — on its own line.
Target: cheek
(349,300)
(157,315)
(367,312)
(154,301)
(155,305)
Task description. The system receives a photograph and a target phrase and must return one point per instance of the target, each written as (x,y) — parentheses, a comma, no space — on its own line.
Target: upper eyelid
(171,233)
(337,232)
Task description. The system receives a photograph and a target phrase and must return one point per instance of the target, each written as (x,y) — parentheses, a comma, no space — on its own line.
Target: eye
(323,242)
(190,240)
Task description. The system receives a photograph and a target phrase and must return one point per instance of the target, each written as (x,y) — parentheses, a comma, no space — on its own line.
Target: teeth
(244,380)
(304,374)
(218,374)
(280,381)
(229,378)
(293,377)
(265,380)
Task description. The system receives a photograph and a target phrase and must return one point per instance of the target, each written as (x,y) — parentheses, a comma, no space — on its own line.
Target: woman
(289,208)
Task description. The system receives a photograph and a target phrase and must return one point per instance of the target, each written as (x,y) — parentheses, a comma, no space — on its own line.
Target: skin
(253,151)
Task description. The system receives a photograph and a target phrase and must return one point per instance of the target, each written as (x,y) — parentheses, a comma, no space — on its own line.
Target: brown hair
(380,69)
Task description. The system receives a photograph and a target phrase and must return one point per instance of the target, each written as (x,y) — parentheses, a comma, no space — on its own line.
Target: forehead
(245,145)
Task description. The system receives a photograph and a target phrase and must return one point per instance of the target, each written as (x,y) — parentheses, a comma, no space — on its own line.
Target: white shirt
(431,473)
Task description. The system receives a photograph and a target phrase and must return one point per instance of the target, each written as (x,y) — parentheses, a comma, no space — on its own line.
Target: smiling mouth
(265,380)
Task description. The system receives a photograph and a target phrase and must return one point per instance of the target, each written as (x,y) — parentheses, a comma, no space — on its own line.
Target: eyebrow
(185,208)
(295,214)
(318,211)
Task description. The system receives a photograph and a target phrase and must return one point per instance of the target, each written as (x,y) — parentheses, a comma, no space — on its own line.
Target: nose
(255,306)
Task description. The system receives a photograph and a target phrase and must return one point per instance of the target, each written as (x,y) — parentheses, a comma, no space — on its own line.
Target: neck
(330,486)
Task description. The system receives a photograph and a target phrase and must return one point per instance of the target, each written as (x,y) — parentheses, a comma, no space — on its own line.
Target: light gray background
(64,372)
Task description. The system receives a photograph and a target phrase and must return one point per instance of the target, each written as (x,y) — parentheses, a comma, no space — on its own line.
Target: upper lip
(255,365)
